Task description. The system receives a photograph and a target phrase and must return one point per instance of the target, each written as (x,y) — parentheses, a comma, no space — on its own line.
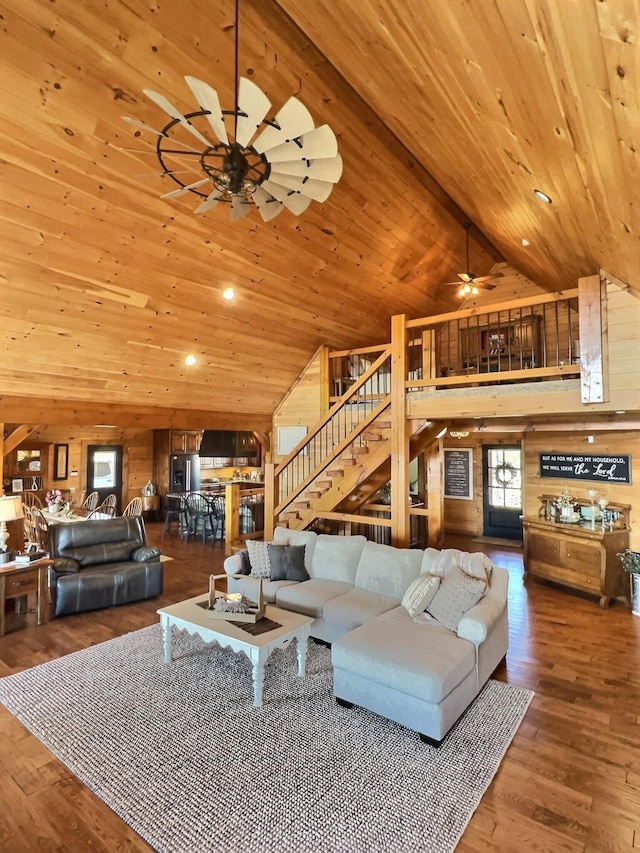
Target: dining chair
(31,499)
(30,532)
(200,514)
(41,528)
(110,500)
(218,503)
(134,507)
(102,511)
(90,502)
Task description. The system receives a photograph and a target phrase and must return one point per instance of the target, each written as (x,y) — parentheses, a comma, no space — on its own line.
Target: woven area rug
(180,754)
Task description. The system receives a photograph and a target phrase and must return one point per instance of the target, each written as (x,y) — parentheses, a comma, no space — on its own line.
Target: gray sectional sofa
(410,669)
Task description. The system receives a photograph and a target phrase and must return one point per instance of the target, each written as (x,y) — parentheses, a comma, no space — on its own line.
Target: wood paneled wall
(137,456)
(303,404)
(604,443)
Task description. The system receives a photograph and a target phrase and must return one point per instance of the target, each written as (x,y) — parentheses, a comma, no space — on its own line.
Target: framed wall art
(60,461)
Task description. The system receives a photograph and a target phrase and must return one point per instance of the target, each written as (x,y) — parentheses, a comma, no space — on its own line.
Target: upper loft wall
(534,401)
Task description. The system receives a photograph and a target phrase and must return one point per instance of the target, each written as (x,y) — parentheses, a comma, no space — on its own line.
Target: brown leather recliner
(102,563)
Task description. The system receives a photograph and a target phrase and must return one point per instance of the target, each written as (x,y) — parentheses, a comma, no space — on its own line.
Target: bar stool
(175,511)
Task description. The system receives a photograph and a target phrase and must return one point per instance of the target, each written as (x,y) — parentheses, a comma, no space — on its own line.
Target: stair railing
(343,425)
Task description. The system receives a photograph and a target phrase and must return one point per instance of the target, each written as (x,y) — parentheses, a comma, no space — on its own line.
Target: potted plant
(631,563)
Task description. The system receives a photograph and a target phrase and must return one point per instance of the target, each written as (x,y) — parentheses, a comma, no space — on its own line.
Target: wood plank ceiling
(444,112)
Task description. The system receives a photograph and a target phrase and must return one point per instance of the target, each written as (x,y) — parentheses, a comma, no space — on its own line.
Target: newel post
(400,517)
(269,500)
(232,516)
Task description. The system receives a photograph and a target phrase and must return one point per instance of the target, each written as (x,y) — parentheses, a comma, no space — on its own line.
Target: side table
(18,580)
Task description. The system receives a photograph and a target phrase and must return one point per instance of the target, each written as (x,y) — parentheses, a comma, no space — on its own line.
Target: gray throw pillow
(287,562)
(457,593)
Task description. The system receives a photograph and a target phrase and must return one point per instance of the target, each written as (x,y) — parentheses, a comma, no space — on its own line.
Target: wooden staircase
(355,465)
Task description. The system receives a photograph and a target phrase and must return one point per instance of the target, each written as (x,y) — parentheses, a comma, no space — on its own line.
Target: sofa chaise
(101,563)
(390,655)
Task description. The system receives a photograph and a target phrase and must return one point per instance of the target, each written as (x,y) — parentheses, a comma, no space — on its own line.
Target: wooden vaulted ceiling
(445,112)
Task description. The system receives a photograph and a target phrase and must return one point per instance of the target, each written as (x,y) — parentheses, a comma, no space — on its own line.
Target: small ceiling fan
(469,282)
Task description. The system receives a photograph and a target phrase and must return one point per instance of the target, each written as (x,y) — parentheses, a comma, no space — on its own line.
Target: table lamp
(10,510)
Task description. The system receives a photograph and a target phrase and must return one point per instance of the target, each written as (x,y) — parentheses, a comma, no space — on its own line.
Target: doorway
(502,491)
(104,471)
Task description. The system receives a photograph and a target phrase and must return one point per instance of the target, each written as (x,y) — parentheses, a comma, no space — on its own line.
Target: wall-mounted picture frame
(17,485)
(60,461)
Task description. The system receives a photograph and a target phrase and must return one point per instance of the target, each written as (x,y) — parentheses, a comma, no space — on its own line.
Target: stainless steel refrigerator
(184,472)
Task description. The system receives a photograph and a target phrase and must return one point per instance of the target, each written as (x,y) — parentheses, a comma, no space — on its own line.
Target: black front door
(104,471)
(502,491)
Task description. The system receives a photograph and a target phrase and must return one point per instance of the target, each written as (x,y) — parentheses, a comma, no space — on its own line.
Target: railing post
(232,516)
(435,494)
(269,500)
(400,524)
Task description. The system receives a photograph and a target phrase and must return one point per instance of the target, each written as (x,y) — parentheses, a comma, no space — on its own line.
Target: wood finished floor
(570,780)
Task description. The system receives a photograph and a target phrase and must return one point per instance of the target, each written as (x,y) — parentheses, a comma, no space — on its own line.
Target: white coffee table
(188,616)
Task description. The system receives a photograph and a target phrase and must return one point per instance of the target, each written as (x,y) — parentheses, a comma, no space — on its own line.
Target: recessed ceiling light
(190,359)
(228,293)
(621,411)
(525,242)
(543,196)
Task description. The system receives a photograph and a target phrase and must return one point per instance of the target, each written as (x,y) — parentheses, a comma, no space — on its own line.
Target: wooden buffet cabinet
(579,556)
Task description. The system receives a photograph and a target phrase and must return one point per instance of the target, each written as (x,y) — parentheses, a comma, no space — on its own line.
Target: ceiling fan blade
(320,170)
(488,277)
(317,190)
(239,208)
(293,120)
(207,98)
(318,143)
(465,277)
(137,123)
(168,107)
(291,199)
(252,101)
(484,284)
(185,189)
(210,202)
(268,206)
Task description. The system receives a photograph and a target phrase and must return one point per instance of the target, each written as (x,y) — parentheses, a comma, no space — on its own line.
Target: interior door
(502,491)
(104,471)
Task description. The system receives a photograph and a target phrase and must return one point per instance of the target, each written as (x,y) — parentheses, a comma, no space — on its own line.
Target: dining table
(76,515)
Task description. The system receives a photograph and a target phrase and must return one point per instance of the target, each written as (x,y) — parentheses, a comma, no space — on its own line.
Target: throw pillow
(419,594)
(287,562)
(456,594)
(259,559)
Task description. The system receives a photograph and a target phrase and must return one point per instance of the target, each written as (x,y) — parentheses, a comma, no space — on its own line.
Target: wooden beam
(435,494)
(594,362)
(19,434)
(37,410)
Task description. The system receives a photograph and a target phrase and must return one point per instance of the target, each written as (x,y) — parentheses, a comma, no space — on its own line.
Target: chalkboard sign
(597,469)
(458,474)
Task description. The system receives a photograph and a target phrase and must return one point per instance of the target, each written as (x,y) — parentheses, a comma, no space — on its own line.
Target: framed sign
(458,473)
(289,437)
(60,461)
(597,469)
(17,485)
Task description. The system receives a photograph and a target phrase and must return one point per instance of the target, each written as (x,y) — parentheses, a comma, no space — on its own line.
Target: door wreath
(504,473)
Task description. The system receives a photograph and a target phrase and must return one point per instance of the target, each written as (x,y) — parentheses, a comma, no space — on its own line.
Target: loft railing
(347,366)
(373,521)
(343,426)
(523,340)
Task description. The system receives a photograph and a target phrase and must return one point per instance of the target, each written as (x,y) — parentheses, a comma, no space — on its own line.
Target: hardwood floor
(570,780)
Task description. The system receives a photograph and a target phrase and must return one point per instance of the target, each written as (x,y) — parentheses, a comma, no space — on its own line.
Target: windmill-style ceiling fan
(468,281)
(289,163)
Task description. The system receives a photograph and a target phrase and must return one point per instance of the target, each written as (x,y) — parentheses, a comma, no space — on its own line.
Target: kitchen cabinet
(185,441)
(580,556)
